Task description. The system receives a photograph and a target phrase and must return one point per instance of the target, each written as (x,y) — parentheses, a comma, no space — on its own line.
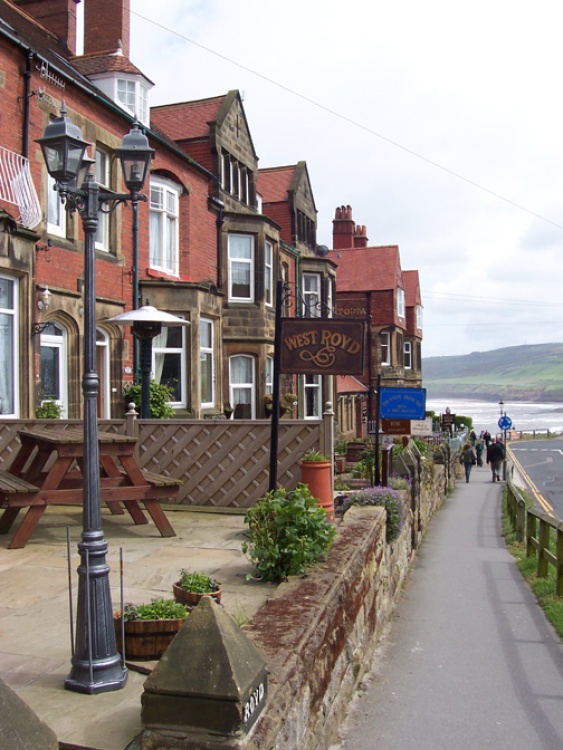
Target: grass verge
(543,588)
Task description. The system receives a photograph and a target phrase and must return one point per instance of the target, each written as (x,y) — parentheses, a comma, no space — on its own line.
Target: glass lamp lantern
(63,148)
(135,155)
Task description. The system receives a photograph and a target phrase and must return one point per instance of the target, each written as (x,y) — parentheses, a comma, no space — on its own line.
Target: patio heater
(96,664)
(147,322)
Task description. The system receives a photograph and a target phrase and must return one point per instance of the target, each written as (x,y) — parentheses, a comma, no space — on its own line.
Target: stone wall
(319,633)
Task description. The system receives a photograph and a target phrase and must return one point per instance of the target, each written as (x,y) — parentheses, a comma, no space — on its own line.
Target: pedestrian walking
(487,438)
(479,448)
(468,458)
(495,457)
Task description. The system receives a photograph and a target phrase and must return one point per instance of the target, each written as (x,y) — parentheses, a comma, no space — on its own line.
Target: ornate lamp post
(96,663)
(147,322)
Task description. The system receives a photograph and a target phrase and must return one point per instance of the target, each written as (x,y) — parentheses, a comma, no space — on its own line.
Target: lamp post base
(103,678)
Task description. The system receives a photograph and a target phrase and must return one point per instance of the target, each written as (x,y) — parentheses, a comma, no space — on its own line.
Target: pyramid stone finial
(212,680)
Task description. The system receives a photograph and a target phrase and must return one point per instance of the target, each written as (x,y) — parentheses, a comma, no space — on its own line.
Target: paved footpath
(469,662)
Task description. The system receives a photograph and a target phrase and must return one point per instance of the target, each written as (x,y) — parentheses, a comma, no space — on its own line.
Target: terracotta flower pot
(317,475)
(146,639)
(190,598)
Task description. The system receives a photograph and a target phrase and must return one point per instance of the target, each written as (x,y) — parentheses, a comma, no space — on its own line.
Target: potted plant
(193,585)
(228,410)
(289,401)
(316,473)
(149,628)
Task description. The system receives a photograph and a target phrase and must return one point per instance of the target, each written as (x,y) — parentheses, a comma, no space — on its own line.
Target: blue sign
(402,403)
(505,423)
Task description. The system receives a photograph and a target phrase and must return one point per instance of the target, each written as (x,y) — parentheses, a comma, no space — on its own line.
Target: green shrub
(392,500)
(160,395)
(158,609)
(48,409)
(287,532)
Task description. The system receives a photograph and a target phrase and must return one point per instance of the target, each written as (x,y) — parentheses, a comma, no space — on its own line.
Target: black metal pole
(135,207)
(146,364)
(377,467)
(96,663)
(274,427)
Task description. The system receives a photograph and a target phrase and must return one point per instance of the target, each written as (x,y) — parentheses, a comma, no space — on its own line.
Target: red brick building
(371,285)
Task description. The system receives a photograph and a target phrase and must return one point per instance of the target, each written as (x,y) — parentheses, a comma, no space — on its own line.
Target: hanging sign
(402,403)
(322,346)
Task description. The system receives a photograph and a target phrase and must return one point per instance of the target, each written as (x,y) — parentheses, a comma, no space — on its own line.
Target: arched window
(53,366)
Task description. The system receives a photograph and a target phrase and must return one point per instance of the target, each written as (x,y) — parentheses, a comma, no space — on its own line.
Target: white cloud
(475,88)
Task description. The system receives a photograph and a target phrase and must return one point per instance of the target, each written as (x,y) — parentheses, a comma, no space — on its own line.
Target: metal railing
(16,186)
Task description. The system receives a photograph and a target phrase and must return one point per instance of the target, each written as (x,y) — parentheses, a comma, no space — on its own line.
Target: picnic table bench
(47,470)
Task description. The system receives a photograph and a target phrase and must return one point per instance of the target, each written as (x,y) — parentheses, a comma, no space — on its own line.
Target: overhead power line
(351,121)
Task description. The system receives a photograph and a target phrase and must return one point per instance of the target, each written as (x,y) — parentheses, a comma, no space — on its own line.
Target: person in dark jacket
(495,457)
(468,458)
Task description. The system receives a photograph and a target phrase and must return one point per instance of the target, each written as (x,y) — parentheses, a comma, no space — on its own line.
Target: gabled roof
(186,120)
(412,288)
(350,384)
(367,269)
(274,182)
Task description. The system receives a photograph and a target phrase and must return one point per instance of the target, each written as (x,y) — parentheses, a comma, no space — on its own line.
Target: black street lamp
(96,664)
(147,322)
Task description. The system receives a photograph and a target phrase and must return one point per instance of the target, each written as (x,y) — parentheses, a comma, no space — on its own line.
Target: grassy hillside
(518,373)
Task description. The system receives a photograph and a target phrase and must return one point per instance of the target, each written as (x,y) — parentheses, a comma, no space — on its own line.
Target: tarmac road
(541,464)
(470,661)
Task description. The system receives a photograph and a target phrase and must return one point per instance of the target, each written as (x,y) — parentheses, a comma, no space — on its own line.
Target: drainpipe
(219,206)
(26,97)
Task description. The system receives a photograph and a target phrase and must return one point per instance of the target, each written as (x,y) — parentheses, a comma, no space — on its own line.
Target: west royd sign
(322,346)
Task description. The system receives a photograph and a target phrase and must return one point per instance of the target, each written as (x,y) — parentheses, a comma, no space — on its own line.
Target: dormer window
(133,96)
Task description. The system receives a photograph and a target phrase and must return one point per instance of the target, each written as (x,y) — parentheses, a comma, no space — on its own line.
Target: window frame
(57,228)
(140,108)
(60,343)
(169,261)
(419,317)
(315,310)
(407,355)
(385,345)
(249,386)
(269,273)
(12,368)
(400,303)
(207,351)
(312,384)
(250,262)
(104,181)
(178,350)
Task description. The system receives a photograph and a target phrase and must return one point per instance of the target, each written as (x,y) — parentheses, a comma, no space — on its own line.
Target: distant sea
(485,414)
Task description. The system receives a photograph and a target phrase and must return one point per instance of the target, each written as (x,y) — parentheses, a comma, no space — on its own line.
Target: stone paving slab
(35,647)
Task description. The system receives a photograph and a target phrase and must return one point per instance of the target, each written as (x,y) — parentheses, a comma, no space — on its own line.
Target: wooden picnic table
(47,470)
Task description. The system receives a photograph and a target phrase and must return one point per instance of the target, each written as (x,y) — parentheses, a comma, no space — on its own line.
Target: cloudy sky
(439,122)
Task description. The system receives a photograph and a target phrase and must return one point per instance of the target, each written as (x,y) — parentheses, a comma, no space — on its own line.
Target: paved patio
(35,645)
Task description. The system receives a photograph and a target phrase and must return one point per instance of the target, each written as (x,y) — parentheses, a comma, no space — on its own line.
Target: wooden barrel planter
(317,475)
(146,639)
(190,598)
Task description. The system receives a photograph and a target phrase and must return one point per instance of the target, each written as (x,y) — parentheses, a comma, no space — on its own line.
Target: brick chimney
(59,16)
(107,26)
(360,236)
(343,228)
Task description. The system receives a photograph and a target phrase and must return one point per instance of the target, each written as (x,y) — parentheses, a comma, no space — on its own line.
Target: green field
(526,373)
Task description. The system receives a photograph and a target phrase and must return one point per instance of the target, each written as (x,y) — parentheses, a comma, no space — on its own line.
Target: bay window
(311,295)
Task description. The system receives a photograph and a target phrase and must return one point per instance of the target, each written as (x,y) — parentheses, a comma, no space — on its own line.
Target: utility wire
(349,120)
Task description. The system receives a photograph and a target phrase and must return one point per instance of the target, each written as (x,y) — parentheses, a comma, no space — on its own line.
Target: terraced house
(203,246)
